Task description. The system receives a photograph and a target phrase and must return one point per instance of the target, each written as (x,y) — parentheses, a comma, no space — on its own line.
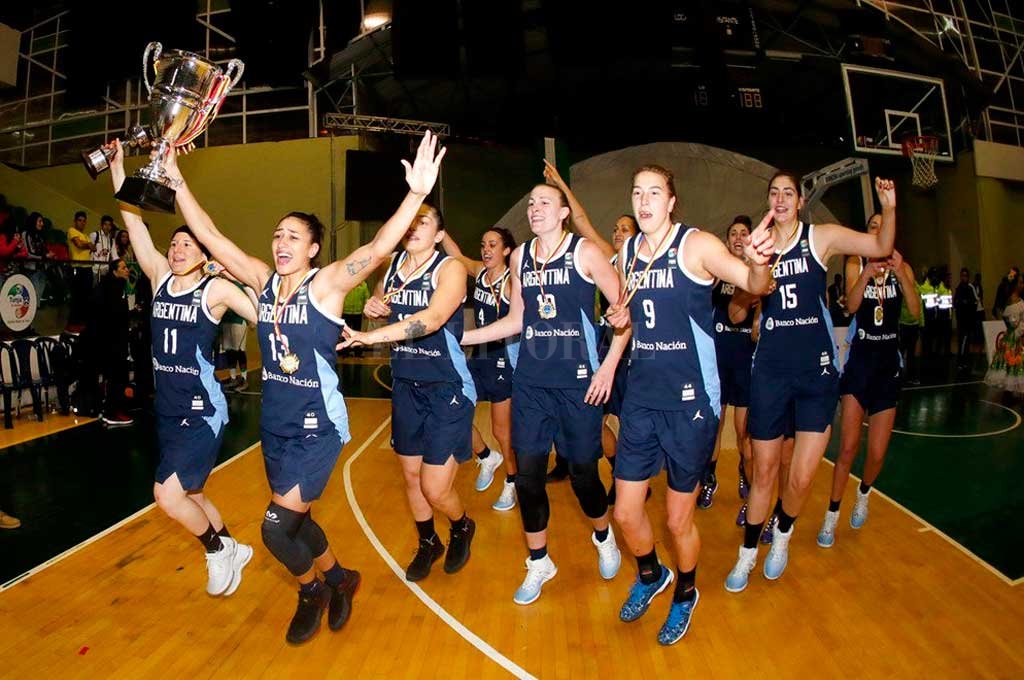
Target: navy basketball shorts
(614,404)
(188,448)
(542,416)
(431,419)
(873,382)
(734,376)
(306,460)
(492,377)
(652,439)
(782,399)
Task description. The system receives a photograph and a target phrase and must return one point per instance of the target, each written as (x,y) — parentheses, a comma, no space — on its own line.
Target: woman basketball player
(303,421)
(492,364)
(794,379)
(871,376)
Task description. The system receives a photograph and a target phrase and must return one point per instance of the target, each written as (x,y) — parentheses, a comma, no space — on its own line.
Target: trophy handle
(156,49)
(234,71)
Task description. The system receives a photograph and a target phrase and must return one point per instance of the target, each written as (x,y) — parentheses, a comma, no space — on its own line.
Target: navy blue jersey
(673,363)
(796,329)
(183,335)
(438,356)
(308,401)
(490,303)
(874,331)
(560,351)
(731,339)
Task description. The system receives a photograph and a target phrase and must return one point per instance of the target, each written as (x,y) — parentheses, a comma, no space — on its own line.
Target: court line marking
(1016,424)
(453,623)
(376,377)
(928,526)
(932,387)
(114,527)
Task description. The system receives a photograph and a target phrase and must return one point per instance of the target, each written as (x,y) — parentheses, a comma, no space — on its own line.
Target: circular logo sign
(860,333)
(770,323)
(18,302)
(529,332)
(719,327)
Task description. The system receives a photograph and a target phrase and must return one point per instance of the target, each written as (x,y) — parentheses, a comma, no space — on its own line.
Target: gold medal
(879,315)
(289,362)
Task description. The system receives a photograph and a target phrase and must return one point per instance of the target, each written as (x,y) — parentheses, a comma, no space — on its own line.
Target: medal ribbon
(415,273)
(629,293)
(279,311)
(501,287)
(540,277)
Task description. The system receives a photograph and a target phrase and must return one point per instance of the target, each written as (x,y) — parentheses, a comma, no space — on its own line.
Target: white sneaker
(487,467)
(507,499)
(243,553)
(538,573)
(827,535)
(737,579)
(609,558)
(860,510)
(778,556)
(219,567)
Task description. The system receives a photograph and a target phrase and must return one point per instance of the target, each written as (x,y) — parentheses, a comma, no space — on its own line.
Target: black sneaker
(707,492)
(306,621)
(341,599)
(427,553)
(458,547)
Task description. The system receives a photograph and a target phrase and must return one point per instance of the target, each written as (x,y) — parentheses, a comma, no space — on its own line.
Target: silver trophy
(183,100)
(98,160)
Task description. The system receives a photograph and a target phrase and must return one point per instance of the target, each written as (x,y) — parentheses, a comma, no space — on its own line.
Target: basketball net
(922,154)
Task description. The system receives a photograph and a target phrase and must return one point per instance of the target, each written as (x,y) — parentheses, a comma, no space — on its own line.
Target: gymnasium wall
(1001,213)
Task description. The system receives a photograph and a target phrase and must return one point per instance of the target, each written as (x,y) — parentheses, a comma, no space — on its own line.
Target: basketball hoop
(922,152)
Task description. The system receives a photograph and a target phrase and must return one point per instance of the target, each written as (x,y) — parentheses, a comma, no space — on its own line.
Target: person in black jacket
(105,346)
(965,305)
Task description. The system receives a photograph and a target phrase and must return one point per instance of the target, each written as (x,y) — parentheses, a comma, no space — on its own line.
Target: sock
(426,529)
(752,532)
(244,371)
(210,540)
(711,467)
(223,532)
(483,453)
(833,506)
(649,567)
(611,461)
(510,479)
(785,522)
(538,553)
(864,488)
(459,524)
(334,575)
(685,589)
(231,372)
(601,534)
(778,506)
(312,587)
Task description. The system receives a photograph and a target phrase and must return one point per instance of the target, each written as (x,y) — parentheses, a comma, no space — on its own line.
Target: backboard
(884,107)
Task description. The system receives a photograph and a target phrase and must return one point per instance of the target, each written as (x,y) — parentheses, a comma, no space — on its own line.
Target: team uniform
(614,404)
(795,374)
(734,347)
(191,411)
(433,396)
(673,401)
(303,421)
(874,364)
(492,364)
(557,358)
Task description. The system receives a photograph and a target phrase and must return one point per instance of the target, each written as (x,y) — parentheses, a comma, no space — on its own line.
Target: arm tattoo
(415,329)
(354,268)
(175,183)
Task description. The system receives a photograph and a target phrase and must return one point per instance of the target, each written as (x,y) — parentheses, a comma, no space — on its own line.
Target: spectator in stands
(352,312)
(12,246)
(8,522)
(965,303)
(837,301)
(81,249)
(1006,287)
(103,240)
(34,237)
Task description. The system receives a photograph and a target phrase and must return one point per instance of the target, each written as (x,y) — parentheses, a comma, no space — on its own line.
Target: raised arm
(249,270)
(579,216)
(833,239)
(714,258)
(452,248)
(510,324)
(451,291)
(153,262)
(225,295)
(346,274)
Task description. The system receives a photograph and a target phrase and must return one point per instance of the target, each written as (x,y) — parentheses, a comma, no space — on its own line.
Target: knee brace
(313,536)
(586,484)
(531,492)
(280,527)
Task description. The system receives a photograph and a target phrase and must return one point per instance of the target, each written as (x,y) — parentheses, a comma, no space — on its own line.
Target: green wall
(1001,214)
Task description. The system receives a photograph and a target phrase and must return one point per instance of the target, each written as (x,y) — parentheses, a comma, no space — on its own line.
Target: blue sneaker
(706,498)
(678,622)
(769,529)
(860,510)
(538,572)
(778,556)
(507,499)
(487,467)
(741,517)
(827,535)
(737,579)
(743,486)
(641,594)
(609,558)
